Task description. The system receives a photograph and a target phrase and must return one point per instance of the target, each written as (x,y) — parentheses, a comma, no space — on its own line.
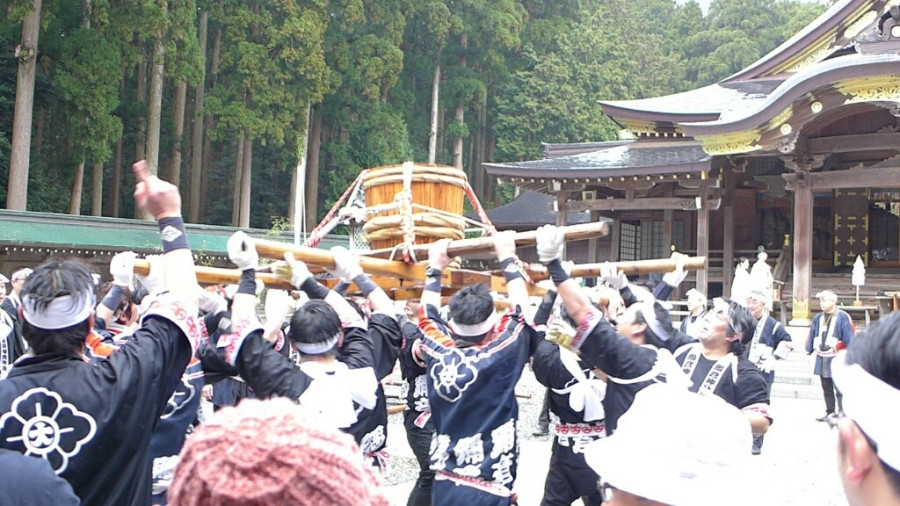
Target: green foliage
(524,72)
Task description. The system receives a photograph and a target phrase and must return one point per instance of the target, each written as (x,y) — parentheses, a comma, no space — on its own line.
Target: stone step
(790,391)
(796,379)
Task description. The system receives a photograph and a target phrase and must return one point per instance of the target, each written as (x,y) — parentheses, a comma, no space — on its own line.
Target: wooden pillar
(703,237)
(593,243)
(728,233)
(562,216)
(803,213)
(614,238)
(668,215)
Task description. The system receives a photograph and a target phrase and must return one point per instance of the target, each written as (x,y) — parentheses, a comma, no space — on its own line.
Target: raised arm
(162,200)
(505,249)
(298,274)
(346,267)
(438,260)
(550,244)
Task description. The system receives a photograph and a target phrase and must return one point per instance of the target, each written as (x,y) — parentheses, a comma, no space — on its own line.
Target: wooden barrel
(435,186)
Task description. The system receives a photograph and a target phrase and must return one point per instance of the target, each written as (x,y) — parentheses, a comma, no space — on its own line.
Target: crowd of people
(102,383)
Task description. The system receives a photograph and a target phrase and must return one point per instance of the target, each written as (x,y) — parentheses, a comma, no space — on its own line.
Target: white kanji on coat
(440,443)
(503,438)
(469,450)
(503,469)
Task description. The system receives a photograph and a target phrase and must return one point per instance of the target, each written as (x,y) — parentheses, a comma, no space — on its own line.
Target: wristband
(510,269)
(341,287)
(114,297)
(247,284)
(171,229)
(314,289)
(433,279)
(365,284)
(557,273)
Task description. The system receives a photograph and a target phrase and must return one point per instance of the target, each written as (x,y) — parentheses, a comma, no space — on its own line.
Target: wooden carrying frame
(404,281)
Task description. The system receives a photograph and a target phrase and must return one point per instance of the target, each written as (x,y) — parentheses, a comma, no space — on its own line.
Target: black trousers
(420,443)
(831,393)
(770,378)
(567,483)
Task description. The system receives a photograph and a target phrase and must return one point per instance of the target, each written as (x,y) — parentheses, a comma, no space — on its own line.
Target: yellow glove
(561,333)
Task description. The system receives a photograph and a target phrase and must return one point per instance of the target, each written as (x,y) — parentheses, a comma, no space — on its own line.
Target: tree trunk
(154,107)
(178,144)
(300,183)
(39,125)
(197,140)
(97,190)
(117,179)
(210,121)
(441,136)
(478,148)
(435,94)
(140,146)
(460,108)
(312,171)
(238,172)
(20,152)
(246,174)
(75,197)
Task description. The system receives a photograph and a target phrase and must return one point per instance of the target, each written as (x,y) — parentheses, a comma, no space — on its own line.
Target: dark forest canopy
(513,74)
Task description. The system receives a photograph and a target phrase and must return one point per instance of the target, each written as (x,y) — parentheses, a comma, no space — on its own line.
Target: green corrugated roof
(66,231)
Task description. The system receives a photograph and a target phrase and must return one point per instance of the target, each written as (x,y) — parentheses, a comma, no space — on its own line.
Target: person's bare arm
(162,200)
(516,287)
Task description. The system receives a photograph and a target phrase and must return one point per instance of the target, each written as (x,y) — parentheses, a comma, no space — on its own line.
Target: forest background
(223,95)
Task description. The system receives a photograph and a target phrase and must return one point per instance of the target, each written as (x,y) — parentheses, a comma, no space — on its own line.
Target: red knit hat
(272,452)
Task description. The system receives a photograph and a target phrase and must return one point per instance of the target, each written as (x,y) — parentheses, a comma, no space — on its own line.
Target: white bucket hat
(677,447)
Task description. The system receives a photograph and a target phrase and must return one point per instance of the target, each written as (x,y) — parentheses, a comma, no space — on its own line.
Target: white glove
(122,268)
(210,302)
(346,265)
(613,276)
(154,281)
(242,251)
(550,243)
(292,270)
(675,277)
(277,306)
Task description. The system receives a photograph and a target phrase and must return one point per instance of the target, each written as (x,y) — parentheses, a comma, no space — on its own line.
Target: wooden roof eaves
(820,77)
(509,171)
(813,35)
(618,113)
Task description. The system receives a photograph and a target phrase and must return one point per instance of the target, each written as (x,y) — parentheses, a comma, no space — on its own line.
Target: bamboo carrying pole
(630,268)
(461,247)
(396,270)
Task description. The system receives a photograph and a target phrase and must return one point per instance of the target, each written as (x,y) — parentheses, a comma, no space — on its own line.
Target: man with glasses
(831,330)
(715,365)
(770,342)
(700,459)
(868,376)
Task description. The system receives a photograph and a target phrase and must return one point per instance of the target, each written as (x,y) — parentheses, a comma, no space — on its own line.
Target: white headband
(320,347)
(62,311)
(475,329)
(649,312)
(873,405)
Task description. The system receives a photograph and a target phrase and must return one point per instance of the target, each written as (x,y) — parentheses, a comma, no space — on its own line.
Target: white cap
(827,294)
(759,295)
(677,447)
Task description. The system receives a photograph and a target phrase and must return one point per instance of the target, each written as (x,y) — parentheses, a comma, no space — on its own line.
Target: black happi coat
(92,422)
